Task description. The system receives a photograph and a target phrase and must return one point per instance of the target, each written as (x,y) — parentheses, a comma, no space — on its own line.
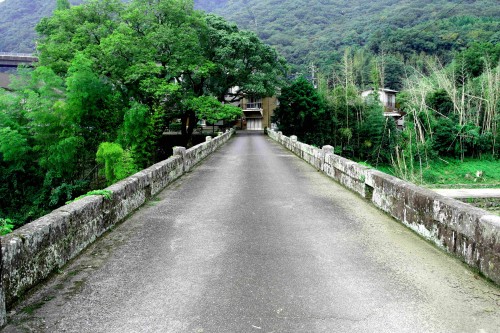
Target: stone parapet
(31,253)
(469,233)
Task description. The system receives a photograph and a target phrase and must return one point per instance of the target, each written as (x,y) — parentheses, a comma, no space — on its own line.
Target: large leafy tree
(111,76)
(241,60)
(161,54)
(236,63)
(302,112)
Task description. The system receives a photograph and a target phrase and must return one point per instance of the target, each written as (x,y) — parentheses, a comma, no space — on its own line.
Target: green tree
(240,60)
(40,149)
(475,58)
(139,134)
(62,4)
(302,113)
(210,109)
(117,162)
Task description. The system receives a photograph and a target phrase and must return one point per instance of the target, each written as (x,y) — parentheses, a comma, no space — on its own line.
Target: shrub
(118,163)
(6,226)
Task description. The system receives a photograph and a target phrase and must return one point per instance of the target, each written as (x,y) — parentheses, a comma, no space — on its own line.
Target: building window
(254,103)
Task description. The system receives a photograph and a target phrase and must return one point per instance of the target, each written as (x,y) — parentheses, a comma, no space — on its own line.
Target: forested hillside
(18,19)
(307,31)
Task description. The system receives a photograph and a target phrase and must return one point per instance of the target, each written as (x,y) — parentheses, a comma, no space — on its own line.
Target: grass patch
(449,173)
(105,193)
(468,173)
(30,309)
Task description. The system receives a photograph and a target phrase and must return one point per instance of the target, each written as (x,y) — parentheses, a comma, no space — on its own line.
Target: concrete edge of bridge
(469,233)
(33,252)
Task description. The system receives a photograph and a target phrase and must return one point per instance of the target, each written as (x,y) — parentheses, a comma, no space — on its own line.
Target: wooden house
(388,99)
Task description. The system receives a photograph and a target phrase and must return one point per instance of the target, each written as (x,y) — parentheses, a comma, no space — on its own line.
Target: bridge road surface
(256,240)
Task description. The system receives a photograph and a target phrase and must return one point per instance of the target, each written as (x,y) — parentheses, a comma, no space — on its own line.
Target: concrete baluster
(326,150)
(293,144)
(181,151)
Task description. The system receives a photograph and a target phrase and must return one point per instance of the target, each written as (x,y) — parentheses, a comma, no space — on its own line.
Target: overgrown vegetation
(6,226)
(106,194)
(114,75)
(451,113)
(111,78)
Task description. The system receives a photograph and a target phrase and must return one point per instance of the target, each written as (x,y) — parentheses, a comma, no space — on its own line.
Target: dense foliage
(18,19)
(452,111)
(302,112)
(306,31)
(112,76)
(356,128)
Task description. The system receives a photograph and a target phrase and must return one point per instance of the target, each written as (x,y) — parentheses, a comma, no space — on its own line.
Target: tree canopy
(111,78)
(302,112)
(306,31)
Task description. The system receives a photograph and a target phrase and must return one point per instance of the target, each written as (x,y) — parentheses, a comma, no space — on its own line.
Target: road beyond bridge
(256,240)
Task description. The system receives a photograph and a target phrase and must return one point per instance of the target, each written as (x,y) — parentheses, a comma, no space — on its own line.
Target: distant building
(388,99)
(257,112)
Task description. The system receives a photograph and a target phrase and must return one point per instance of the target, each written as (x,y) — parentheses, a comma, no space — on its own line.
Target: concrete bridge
(8,59)
(252,240)
(13,60)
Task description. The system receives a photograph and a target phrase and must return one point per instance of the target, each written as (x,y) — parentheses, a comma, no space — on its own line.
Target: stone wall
(31,253)
(469,233)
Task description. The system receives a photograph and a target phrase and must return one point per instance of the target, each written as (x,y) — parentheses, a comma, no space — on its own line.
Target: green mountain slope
(18,19)
(307,31)
(317,30)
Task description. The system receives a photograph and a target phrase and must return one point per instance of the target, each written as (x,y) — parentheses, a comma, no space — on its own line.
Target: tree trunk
(188,121)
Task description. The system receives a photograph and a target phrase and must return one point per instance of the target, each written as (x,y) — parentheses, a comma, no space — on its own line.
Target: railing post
(181,151)
(208,138)
(325,150)
(293,145)
(3,309)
